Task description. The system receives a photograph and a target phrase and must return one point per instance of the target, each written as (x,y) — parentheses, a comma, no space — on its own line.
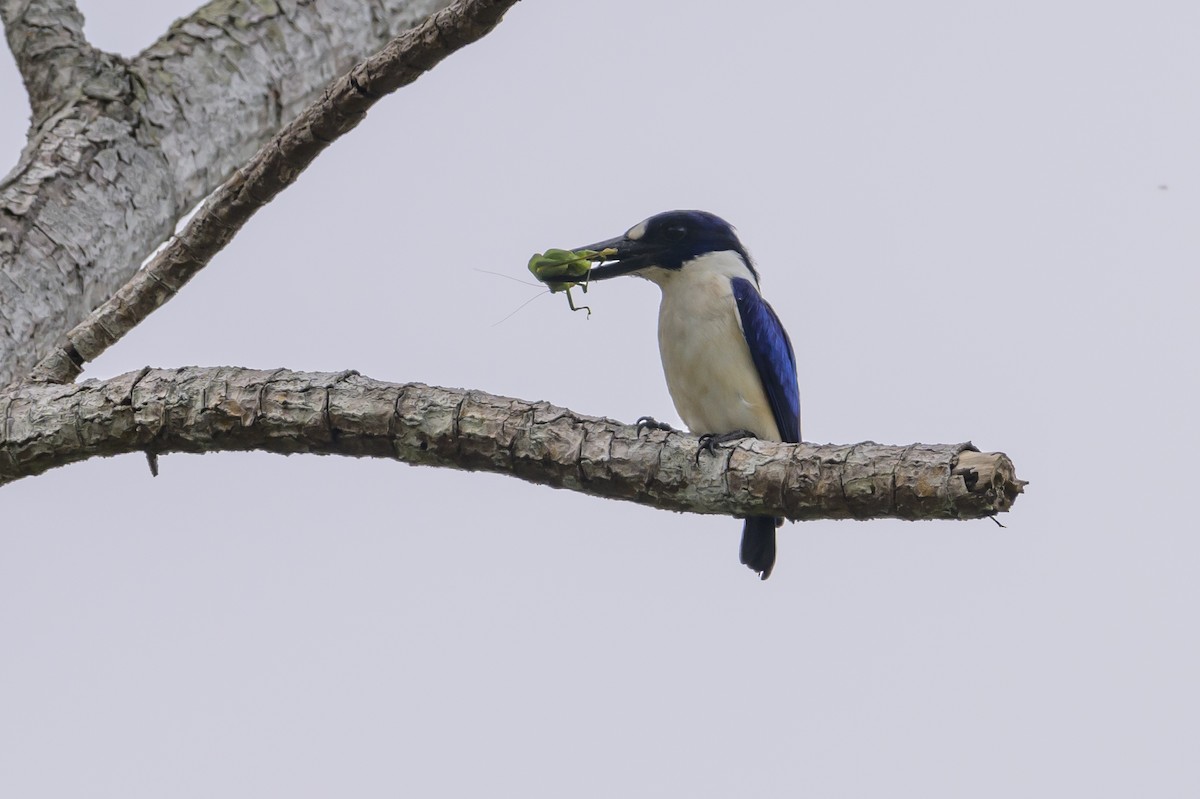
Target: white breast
(708,367)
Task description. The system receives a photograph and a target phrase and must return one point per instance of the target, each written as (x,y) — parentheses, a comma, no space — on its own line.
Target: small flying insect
(563,270)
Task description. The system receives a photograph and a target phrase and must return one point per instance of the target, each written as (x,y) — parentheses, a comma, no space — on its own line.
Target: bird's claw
(709,441)
(650,423)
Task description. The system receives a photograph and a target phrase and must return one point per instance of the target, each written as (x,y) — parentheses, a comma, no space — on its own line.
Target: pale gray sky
(977,220)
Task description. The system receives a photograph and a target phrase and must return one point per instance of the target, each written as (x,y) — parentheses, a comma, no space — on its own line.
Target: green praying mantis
(563,270)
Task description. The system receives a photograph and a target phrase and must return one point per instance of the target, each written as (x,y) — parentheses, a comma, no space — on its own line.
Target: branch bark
(223,408)
(223,81)
(123,149)
(52,54)
(272,169)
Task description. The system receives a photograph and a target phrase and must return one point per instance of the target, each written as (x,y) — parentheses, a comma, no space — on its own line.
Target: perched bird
(729,365)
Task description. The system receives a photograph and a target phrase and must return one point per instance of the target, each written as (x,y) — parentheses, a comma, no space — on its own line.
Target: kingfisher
(729,364)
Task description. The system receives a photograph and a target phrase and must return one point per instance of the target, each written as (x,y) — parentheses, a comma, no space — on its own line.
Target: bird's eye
(675,233)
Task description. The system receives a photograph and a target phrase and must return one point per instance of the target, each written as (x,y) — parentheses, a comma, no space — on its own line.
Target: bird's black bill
(631,255)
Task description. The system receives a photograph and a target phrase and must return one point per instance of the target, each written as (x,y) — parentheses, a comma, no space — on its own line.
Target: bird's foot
(650,423)
(709,441)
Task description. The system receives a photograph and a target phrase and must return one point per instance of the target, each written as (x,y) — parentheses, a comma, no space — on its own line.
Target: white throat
(727,264)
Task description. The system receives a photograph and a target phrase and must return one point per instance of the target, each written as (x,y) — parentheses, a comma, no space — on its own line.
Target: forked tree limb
(119,149)
(224,408)
(272,169)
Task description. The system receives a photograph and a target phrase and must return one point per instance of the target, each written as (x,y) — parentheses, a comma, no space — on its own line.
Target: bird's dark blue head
(668,241)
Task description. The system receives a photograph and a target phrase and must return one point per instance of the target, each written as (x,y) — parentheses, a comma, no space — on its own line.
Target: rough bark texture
(224,80)
(52,54)
(212,409)
(273,168)
(119,151)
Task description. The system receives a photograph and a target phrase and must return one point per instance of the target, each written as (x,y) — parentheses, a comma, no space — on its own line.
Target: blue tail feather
(758,544)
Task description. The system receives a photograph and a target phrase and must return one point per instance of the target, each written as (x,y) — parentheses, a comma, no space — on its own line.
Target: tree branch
(273,168)
(52,54)
(224,408)
(222,81)
(132,147)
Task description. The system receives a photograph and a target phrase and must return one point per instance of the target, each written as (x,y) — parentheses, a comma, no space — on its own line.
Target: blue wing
(773,357)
